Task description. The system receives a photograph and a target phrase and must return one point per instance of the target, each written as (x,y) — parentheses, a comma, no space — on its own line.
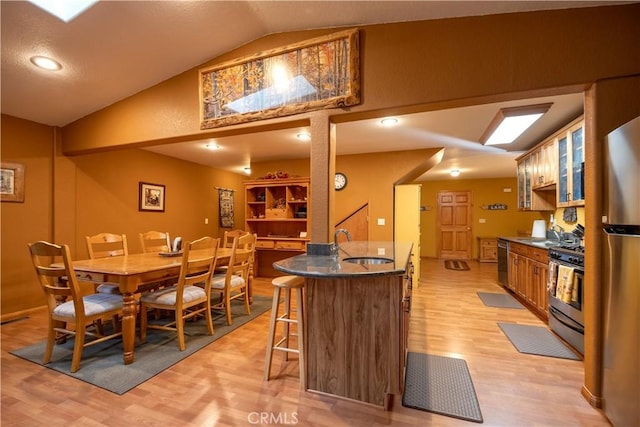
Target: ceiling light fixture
(389,121)
(45,63)
(303,136)
(455,172)
(212,146)
(511,122)
(247,170)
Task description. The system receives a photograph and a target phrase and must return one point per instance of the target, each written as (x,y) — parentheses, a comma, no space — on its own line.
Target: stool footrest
(286,319)
(288,350)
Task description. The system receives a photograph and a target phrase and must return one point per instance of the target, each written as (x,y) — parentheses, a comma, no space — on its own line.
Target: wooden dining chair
(227,240)
(155,241)
(68,304)
(186,299)
(105,245)
(233,283)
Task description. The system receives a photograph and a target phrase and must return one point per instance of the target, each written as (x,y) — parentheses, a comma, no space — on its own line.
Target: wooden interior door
(454,224)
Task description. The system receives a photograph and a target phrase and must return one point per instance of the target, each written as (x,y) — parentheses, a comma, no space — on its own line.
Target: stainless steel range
(565,286)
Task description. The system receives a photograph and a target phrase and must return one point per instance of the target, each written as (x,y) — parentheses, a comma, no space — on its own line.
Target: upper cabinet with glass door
(570,188)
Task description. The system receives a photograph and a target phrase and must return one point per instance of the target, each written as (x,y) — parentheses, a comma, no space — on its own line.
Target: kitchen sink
(540,243)
(368,260)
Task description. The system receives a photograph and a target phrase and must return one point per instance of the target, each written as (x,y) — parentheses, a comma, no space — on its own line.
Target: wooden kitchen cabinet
(405,316)
(550,175)
(545,165)
(570,190)
(488,249)
(528,198)
(537,276)
(527,276)
(278,212)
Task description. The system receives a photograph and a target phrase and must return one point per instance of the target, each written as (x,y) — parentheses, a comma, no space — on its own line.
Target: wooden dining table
(135,273)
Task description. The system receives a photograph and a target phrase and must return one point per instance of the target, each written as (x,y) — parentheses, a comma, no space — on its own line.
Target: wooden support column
(323,148)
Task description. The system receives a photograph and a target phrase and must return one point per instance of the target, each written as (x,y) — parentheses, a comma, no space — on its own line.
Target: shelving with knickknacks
(277,211)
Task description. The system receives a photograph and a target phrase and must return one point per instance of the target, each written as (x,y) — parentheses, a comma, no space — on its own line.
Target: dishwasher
(503,262)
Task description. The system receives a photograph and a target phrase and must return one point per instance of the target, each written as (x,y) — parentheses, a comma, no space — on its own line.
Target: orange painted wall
(96,193)
(369,180)
(485,192)
(30,144)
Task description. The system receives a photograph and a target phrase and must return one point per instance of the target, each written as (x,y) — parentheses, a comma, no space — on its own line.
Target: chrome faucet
(336,247)
(557,231)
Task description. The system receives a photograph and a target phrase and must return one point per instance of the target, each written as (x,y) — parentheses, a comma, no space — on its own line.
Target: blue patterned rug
(102,364)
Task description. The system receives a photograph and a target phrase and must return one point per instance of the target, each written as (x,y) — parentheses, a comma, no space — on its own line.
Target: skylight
(64,10)
(510,123)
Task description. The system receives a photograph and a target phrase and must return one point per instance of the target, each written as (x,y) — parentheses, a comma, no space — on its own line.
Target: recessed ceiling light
(303,136)
(212,146)
(455,172)
(510,123)
(389,121)
(45,63)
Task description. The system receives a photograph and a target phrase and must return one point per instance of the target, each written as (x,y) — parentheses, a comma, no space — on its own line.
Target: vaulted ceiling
(118,48)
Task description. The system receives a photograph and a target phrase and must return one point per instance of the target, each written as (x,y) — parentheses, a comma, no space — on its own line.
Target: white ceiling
(118,48)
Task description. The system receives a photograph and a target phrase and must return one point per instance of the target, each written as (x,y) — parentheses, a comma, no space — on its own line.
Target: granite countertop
(541,243)
(328,266)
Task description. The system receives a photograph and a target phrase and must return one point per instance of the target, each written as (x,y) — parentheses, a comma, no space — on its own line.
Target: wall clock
(340,181)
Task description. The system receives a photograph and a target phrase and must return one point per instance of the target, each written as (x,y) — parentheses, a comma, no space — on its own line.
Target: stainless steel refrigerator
(621,362)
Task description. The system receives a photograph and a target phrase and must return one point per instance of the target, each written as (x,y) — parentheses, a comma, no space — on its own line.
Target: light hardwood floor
(222,384)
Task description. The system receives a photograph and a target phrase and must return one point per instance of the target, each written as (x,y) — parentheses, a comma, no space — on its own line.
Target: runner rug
(452,264)
(441,385)
(536,340)
(102,364)
(499,300)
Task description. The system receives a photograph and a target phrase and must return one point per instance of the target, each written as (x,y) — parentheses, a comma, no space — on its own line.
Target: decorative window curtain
(225,198)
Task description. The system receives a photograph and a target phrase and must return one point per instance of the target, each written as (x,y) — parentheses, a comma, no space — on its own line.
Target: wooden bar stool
(286,283)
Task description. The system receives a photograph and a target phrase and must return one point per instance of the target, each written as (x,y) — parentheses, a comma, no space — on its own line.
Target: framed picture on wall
(12,182)
(151,197)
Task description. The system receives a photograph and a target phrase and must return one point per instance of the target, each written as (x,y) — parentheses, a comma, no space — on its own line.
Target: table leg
(128,327)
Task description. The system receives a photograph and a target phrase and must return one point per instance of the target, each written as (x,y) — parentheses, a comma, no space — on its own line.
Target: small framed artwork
(12,182)
(151,197)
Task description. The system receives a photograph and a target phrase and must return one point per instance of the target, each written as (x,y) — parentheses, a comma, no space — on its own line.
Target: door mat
(102,365)
(441,385)
(536,340)
(499,300)
(452,264)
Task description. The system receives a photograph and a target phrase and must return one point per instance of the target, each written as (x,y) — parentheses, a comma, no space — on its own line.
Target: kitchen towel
(564,289)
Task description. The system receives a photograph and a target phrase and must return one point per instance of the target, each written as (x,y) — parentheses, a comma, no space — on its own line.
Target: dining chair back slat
(155,241)
(107,244)
(227,241)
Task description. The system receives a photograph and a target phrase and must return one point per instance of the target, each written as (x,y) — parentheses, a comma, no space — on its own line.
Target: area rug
(102,364)
(441,385)
(499,300)
(452,264)
(536,340)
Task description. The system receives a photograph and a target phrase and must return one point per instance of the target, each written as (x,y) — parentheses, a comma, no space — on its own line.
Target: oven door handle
(554,312)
